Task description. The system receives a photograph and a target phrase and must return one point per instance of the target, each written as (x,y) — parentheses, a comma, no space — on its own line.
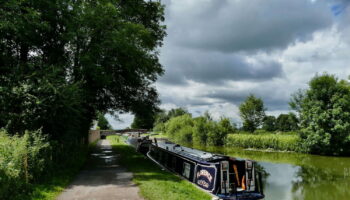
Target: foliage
(283,142)
(199,131)
(177,112)
(180,128)
(163,116)
(252,112)
(324,111)
(269,123)
(287,122)
(219,131)
(22,161)
(102,122)
(63,61)
(30,167)
(143,121)
(154,183)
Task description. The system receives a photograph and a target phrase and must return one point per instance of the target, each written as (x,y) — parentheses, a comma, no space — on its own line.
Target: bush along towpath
(154,183)
(103,178)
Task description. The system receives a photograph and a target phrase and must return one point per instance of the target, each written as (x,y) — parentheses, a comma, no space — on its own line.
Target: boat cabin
(223,176)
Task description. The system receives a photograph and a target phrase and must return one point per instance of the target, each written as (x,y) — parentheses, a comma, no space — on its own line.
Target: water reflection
(321,183)
(293,176)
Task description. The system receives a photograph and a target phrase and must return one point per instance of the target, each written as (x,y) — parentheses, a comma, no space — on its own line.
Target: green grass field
(154,183)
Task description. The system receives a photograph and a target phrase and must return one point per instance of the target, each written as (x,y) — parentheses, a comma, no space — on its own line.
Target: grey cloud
(212,42)
(272,98)
(215,68)
(185,101)
(229,26)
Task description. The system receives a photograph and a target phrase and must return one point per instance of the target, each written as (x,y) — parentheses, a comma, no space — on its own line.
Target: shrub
(22,160)
(180,128)
(160,127)
(218,131)
(200,130)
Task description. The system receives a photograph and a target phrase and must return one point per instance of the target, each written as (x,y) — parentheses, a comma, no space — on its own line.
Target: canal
(294,176)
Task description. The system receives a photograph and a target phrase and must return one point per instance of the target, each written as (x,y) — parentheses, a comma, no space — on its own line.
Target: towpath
(102,179)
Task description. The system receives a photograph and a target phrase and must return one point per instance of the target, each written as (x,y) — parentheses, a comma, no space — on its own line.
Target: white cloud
(123,121)
(218,52)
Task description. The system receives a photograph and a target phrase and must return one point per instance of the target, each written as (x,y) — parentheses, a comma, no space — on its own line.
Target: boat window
(186,170)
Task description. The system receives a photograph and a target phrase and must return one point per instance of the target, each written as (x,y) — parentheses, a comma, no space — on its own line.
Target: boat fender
(243,183)
(236,172)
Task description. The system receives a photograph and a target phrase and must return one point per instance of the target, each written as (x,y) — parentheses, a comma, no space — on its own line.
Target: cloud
(237,25)
(217,52)
(182,65)
(123,121)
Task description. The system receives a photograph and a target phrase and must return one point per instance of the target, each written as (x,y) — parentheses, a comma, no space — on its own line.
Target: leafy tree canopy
(325,115)
(163,116)
(252,112)
(269,123)
(102,122)
(287,122)
(62,61)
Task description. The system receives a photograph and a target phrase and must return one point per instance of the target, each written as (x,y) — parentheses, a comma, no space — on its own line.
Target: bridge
(99,134)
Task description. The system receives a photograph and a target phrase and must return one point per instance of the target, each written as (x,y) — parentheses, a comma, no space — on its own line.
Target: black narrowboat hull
(209,172)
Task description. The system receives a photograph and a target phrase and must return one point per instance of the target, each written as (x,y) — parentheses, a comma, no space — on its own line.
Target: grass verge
(280,142)
(50,189)
(154,183)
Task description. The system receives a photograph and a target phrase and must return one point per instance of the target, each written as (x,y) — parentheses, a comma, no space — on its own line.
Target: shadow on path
(102,178)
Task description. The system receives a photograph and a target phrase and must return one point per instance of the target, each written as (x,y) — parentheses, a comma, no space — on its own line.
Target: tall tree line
(62,61)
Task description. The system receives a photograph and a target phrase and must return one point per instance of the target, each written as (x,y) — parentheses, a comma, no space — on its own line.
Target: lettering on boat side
(204,173)
(205,177)
(203,183)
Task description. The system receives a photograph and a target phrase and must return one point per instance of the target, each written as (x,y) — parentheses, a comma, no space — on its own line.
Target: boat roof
(191,153)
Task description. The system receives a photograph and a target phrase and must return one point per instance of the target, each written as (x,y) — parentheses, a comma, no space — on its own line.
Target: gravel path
(102,179)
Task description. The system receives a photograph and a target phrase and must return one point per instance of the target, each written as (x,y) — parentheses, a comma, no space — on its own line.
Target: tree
(175,112)
(252,112)
(207,116)
(102,122)
(269,123)
(219,130)
(63,61)
(325,115)
(200,131)
(161,117)
(287,122)
(143,121)
(180,128)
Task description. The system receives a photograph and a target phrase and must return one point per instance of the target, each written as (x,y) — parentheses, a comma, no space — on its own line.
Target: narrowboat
(225,177)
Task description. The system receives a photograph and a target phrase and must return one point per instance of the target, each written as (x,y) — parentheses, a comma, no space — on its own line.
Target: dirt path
(102,179)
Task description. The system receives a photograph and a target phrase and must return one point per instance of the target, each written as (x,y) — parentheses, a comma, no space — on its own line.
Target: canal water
(294,176)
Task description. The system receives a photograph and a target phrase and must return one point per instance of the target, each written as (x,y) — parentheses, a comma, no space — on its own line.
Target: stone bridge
(101,134)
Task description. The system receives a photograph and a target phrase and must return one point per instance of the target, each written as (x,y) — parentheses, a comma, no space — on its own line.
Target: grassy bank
(280,142)
(50,189)
(29,171)
(154,183)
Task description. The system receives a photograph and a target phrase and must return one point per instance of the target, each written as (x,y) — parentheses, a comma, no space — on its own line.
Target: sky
(217,52)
